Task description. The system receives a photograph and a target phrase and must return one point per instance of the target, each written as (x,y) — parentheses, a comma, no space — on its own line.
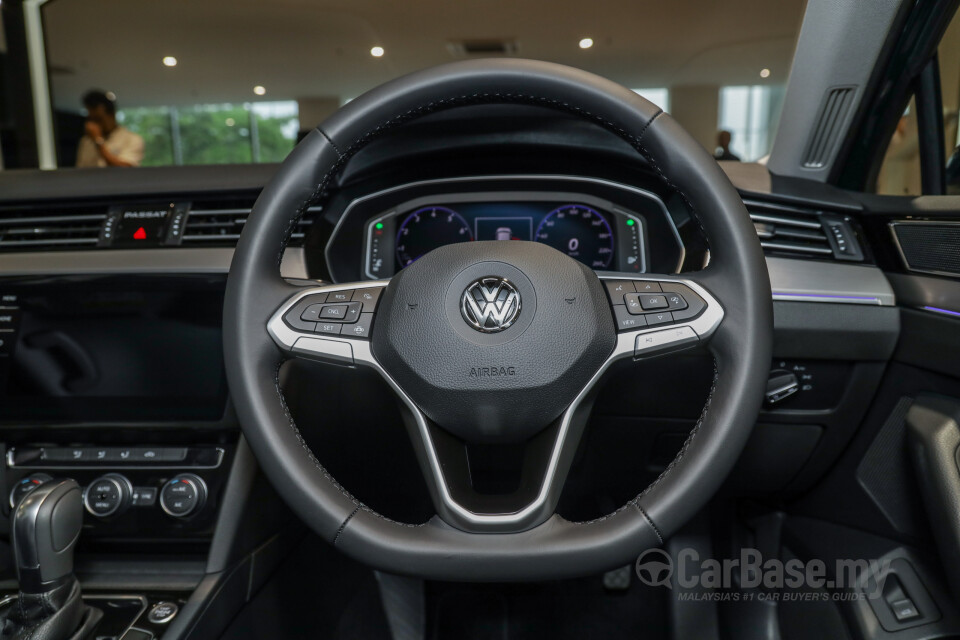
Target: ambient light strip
(825,297)
(946,312)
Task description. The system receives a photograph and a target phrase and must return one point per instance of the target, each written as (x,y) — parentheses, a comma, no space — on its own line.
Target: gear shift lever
(45,526)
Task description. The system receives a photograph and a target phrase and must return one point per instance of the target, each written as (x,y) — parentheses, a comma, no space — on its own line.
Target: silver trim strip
(173,260)
(543,505)
(814,281)
(616,185)
(906,263)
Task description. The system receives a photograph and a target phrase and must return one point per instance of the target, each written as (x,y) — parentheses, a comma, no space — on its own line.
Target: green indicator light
(380,225)
(629,222)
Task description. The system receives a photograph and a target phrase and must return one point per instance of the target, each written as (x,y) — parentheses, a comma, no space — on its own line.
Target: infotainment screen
(91,348)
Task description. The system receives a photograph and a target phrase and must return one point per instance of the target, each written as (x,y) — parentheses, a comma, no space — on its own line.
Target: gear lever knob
(45,526)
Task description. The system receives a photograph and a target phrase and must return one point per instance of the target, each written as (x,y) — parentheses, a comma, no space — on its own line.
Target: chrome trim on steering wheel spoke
(642,343)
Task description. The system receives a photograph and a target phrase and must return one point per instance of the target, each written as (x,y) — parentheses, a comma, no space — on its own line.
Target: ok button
(648,301)
(333,312)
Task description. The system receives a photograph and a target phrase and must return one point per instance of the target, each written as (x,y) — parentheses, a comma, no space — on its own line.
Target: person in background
(722,151)
(106,143)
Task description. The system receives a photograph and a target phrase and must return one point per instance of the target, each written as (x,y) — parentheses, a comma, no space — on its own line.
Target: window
(901,172)
(180,75)
(214,134)
(750,114)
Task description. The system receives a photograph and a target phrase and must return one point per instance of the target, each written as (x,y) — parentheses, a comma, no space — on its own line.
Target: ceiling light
(586,43)
(259,90)
(764,73)
(169,61)
(376,52)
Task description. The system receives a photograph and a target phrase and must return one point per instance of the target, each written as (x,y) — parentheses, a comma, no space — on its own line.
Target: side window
(901,171)
(949,59)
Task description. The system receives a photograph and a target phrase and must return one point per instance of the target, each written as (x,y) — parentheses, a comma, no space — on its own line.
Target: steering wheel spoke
(330,323)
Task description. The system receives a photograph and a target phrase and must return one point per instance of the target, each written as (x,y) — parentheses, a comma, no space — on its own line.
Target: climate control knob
(183,495)
(108,495)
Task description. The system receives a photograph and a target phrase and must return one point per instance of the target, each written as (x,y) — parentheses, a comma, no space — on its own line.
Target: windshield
(143,83)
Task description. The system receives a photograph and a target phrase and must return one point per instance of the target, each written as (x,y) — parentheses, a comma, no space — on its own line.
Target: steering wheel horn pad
(494,387)
(531,542)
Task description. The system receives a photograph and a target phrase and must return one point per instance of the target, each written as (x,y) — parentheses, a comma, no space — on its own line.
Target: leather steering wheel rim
(557,548)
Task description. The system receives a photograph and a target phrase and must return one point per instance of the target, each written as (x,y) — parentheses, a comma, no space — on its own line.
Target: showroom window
(901,172)
(750,114)
(214,134)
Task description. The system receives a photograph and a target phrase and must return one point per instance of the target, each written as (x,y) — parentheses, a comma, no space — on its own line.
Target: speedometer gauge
(428,228)
(580,232)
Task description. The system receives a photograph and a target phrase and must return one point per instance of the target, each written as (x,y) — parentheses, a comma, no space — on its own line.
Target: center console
(117,382)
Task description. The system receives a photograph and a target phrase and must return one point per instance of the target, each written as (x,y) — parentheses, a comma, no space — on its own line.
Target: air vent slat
(803,233)
(807,224)
(834,110)
(799,248)
(47,242)
(31,229)
(223,222)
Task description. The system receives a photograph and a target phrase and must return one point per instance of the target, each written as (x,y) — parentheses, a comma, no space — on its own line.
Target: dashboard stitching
(436,105)
(686,443)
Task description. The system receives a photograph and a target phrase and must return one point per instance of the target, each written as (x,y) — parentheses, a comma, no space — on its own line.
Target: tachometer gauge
(428,228)
(580,232)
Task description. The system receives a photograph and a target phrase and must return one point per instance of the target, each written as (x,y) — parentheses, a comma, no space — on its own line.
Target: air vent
(216,224)
(483,47)
(796,232)
(43,229)
(828,129)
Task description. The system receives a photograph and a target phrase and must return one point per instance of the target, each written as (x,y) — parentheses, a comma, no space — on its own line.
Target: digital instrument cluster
(595,233)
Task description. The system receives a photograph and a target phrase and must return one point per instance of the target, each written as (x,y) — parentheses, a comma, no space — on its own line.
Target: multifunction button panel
(348,312)
(646,303)
(657,316)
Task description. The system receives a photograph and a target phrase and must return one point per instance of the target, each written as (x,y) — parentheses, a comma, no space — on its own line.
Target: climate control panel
(129,492)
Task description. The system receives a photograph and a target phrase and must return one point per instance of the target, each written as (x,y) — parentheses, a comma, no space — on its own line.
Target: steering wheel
(498,342)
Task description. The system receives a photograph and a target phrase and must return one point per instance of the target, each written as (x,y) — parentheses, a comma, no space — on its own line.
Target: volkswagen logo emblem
(490,304)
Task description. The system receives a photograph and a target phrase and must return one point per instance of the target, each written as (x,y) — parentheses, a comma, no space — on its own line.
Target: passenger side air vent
(36,229)
(220,223)
(827,131)
(795,232)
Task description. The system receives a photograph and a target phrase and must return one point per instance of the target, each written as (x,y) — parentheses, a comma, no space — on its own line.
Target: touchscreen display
(104,348)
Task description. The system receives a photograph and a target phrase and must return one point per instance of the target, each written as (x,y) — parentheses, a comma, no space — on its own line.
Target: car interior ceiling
(428,322)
